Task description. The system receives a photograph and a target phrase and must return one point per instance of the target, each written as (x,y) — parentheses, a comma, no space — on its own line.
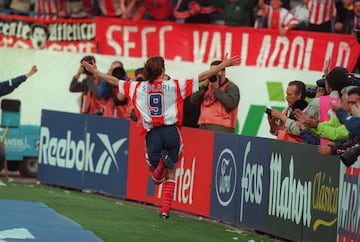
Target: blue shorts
(161,138)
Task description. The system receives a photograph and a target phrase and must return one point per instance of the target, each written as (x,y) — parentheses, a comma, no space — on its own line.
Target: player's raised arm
(32,71)
(232,61)
(93,69)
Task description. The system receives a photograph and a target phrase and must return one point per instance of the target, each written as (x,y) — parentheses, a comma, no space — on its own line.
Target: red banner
(193,172)
(199,43)
(69,35)
(203,43)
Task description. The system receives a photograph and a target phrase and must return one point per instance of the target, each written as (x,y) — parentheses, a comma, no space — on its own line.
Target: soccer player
(158,104)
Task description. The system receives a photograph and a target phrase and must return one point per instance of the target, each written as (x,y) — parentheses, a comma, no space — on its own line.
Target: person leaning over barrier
(339,148)
(333,129)
(282,123)
(8,86)
(319,108)
(351,122)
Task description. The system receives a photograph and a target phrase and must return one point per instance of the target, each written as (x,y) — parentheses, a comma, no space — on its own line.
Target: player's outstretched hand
(32,71)
(233,60)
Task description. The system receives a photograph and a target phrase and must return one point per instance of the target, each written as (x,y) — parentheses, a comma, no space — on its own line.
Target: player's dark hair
(154,67)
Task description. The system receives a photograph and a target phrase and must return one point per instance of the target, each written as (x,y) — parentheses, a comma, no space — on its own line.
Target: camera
(268,111)
(311,91)
(350,156)
(119,73)
(299,104)
(354,79)
(214,78)
(89,59)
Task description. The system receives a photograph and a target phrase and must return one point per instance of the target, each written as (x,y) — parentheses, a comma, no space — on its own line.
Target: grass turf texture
(117,220)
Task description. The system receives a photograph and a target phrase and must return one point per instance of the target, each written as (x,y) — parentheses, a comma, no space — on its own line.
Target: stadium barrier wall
(280,188)
(84,152)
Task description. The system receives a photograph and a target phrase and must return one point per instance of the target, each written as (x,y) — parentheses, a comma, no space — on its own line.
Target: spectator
(20,7)
(356,29)
(123,106)
(191,114)
(111,8)
(236,12)
(260,20)
(133,9)
(161,120)
(218,99)
(301,13)
(10,85)
(279,121)
(351,123)
(321,15)
(285,3)
(356,24)
(159,9)
(90,102)
(107,92)
(77,9)
(50,9)
(319,107)
(193,11)
(4,4)
(344,20)
(278,17)
(128,9)
(332,130)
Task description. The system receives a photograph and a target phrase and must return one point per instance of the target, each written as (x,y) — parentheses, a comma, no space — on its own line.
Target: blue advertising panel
(62,149)
(253,179)
(110,140)
(84,151)
(225,184)
(239,171)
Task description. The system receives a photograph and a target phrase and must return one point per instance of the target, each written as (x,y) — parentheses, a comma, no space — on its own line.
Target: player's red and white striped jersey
(110,7)
(47,9)
(321,11)
(160,102)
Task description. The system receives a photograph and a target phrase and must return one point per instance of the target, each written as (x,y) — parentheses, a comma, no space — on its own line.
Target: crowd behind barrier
(338,16)
(278,191)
